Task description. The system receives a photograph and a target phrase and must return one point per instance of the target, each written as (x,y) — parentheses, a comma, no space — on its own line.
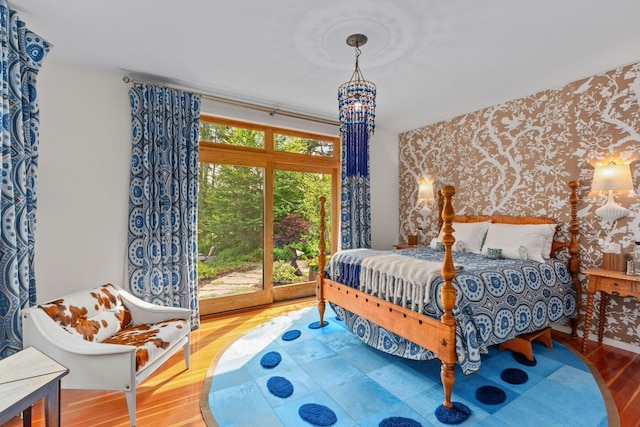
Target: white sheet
(403,280)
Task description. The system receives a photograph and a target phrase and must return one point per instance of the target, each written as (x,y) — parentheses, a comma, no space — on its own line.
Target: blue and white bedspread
(495,299)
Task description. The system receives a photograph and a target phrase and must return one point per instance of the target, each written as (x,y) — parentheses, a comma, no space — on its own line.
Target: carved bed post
(322,260)
(574,249)
(448,296)
(440,207)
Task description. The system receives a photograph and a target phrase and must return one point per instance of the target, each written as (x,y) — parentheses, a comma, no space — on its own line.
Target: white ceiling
(430,59)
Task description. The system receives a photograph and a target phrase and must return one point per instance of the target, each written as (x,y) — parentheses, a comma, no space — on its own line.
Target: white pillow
(550,230)
(470,234)
(535,238)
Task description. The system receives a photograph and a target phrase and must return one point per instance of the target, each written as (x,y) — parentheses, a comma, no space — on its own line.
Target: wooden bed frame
(438,336)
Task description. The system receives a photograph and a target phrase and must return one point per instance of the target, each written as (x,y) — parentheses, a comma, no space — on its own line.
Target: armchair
(109,339)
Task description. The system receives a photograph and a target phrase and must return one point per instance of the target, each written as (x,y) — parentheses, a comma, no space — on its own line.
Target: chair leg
(187,354)
(131,405)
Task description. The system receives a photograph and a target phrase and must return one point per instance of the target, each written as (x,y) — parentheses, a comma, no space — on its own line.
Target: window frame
(270,160)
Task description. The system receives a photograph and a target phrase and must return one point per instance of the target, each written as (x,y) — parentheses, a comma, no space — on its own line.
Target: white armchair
(109,339)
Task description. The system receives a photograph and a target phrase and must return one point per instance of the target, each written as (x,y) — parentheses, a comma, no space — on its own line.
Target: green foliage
(230,193)
(227,193)
(229,135)
(282,254)
(231,203)
(227,261)
(284,273)
(288,193)
(313,265)
(207,271)
(310,248)
(236,254)
(300,145)
(299,192)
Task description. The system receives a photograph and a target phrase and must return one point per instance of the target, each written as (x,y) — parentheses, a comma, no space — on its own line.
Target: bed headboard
(571,245)
(573,263)
(504,219)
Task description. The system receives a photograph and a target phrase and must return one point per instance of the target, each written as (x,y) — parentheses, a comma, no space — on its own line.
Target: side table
(607,282)
(25,378)
(404,246)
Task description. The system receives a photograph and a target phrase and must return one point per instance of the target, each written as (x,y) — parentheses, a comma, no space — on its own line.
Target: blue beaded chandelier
(357,97)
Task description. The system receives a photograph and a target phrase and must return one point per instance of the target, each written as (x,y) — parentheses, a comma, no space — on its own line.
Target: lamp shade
(425,191)
(612,177)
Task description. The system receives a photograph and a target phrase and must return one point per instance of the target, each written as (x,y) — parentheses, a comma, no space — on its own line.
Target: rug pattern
(364,387)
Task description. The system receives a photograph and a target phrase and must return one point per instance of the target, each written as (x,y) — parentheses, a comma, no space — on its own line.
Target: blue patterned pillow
(440,246)
(493,253)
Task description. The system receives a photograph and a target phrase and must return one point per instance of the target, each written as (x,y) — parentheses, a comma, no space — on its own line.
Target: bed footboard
(435,335)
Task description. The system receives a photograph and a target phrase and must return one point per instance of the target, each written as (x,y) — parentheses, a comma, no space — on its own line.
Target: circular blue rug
(318,415)
(514,376)
(280,386)
(291,335)
(239,392)
(490,395)
(456,415)
(521,359)
(399,422)
(316,325)
(270,360)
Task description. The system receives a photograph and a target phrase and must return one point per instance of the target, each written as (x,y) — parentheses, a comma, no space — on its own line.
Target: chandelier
(357,97)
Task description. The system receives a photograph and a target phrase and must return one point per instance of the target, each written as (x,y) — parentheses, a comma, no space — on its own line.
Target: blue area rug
(330,368)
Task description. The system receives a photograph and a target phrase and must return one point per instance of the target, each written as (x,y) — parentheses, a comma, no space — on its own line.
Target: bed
(441,320)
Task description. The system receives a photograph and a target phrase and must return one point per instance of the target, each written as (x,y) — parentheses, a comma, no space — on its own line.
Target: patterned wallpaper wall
(516,158)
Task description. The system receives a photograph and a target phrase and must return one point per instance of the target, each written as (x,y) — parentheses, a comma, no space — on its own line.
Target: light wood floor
(171,396)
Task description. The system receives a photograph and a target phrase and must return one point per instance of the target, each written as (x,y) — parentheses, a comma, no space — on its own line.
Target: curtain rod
(263,108)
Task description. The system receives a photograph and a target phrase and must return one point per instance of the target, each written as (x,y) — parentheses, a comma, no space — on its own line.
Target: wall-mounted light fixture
(425,192)
(612,177)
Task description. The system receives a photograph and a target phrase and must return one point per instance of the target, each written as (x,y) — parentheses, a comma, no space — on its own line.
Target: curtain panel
(22,55)
(162,243)
(355,197)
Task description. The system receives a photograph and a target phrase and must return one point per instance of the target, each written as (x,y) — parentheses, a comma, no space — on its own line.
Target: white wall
(83,177)
(384,158)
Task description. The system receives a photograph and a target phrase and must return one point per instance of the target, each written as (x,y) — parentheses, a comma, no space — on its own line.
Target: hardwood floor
(620,370)
(171,396)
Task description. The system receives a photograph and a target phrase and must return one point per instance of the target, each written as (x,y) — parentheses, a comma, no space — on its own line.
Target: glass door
(258,213)
(295,230)
(230,230)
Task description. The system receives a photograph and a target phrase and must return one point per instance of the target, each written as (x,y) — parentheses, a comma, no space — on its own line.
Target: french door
(258,212)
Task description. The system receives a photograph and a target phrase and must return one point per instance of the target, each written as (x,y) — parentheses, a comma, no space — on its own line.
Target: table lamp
(612,177)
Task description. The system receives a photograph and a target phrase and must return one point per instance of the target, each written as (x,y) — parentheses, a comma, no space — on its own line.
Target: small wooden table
(404,246)
(608,282)
(25,378)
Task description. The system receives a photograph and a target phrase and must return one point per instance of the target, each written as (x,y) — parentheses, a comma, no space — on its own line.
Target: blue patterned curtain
(162,244)
(22,55)
(355,200)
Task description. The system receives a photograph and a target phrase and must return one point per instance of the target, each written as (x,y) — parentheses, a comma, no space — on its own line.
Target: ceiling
(430,59)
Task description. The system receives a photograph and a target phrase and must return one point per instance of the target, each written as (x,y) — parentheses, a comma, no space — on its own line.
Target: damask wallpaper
(516,158)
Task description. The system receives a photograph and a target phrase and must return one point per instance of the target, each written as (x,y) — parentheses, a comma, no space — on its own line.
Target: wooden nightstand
(404,246)
(607,282)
